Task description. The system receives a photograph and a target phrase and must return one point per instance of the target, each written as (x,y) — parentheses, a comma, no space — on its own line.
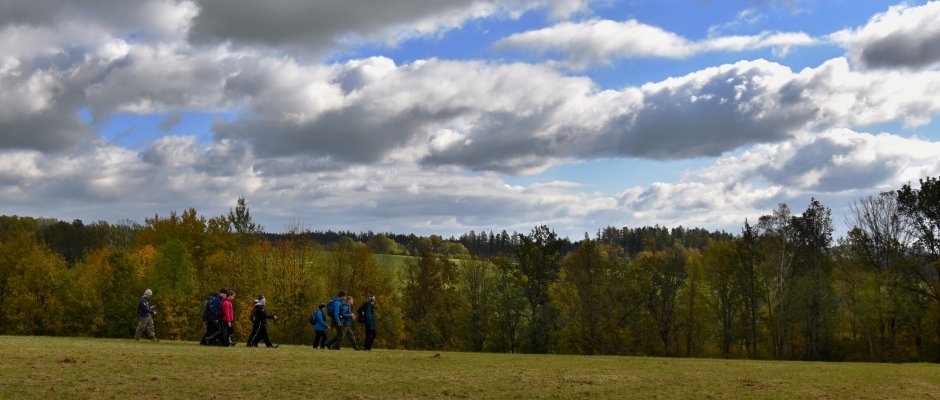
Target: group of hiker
(218,316)
(339,311)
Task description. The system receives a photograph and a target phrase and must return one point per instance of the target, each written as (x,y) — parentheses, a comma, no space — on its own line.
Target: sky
(446,116)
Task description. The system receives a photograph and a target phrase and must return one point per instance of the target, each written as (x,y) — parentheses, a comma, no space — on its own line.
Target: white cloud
(902,37)
(521,118)
(832,161)
(600,41)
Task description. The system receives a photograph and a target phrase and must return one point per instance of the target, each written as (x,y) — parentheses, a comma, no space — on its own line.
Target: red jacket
(227,313)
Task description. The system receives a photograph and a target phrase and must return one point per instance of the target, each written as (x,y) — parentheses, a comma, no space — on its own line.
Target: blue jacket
(336,305)
(143,308)
(345,313)
(319,323)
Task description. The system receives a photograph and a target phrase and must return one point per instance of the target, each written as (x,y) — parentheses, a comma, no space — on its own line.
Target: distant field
(43,367)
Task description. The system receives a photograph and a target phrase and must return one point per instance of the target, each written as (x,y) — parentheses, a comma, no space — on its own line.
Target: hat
(148,292)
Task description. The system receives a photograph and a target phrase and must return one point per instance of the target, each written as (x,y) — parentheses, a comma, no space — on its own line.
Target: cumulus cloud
(314,27)
(902,37)
(343,145)
(521,118)
(156,19)
(36,109)
(600,41)
(835,165)
(176,172)
(833,161)
(111,183)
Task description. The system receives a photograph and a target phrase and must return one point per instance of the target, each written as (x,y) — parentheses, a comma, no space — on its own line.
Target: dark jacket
(260,315)
(369,312)
(143,308)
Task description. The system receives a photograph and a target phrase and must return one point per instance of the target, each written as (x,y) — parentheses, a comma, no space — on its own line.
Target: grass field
(44,367)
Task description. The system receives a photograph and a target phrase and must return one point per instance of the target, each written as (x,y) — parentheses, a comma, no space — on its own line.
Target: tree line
(781,288)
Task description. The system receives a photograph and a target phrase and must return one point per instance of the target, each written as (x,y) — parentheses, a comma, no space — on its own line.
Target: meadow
(58,367)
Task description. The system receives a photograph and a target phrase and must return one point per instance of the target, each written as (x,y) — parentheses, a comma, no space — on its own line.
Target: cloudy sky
(445,116)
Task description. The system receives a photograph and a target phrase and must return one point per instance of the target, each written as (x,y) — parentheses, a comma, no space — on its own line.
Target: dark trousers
(229,332)
(214,333)
(255,326)
(319,340)
(334,342)
(370,337)
(260,336)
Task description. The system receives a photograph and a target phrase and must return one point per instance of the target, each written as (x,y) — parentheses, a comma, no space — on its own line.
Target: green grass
(44,367)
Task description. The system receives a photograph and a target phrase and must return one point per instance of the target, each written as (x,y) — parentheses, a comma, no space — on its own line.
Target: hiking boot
(153,339)
(274,346)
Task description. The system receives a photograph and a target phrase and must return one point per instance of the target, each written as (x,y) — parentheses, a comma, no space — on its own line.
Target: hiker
(211,312)
(260,329)
(332,309)
(319,327)
(145,313)
(367,319)
(206,318)
(228,319)
(254,323)
(345,313)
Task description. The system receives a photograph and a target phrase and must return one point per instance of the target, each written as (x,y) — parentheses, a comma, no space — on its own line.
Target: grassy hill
(44,367)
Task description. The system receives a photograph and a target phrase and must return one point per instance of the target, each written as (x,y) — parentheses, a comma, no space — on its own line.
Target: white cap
(148,292)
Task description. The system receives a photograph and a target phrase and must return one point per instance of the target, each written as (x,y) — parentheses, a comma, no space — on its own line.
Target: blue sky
(441,117)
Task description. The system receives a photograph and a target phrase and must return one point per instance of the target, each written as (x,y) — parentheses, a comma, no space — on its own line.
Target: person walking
(345,313)
(319,327)
(145,313)
(332,309)
(212,313)
(206,309)
(228,319)
(260,330)
(367,318)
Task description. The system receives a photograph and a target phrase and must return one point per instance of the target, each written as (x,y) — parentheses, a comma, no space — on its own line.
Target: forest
(781,288)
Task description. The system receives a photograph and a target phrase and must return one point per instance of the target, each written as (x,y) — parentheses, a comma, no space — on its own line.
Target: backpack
(207,310)
(213,308)
(313,318)
(362,313)
(251,314)
(331,308)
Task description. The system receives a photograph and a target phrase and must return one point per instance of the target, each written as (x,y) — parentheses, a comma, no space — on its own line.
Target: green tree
(241,220)
(752,285)
(722,273)
(776,241)
(922,208)
(476,288)
(813,269)
(536,260)
(511,311)
(429,302)
(665,272)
